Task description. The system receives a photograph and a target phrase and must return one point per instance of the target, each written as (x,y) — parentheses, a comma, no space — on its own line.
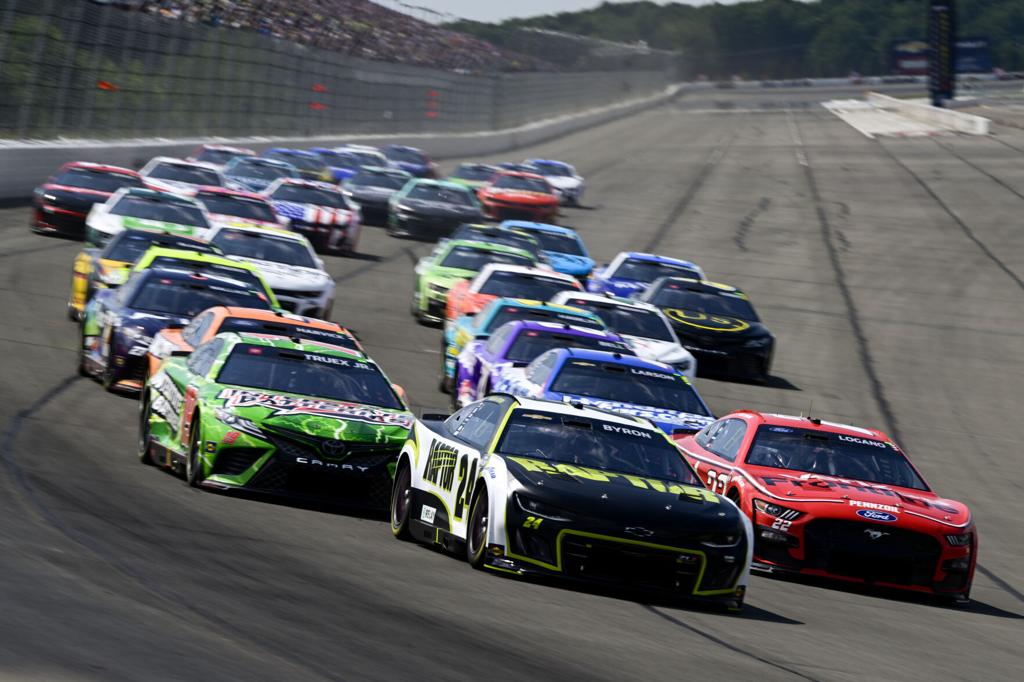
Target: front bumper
(328,237)
(54,219)
(423,226)
(730,360)
(503,211)
(308,303)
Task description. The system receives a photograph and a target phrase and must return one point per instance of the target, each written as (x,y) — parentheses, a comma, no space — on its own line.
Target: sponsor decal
(715,323)
(780,429)
(283,405)
(230,437)
(874,505)
(440,465)
(168,400)
(874,534)
(875,515)
(626,430)
(649,373)
(862,441)
(427,514)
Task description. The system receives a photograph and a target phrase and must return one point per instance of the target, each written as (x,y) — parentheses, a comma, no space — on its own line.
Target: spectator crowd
(356,27)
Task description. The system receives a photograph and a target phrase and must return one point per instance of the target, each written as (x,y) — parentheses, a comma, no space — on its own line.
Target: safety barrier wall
(946,118)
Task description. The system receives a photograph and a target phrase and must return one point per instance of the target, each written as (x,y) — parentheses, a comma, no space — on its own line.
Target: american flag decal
(312,214)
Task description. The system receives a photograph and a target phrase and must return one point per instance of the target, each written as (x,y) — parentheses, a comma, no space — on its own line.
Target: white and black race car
(527,486)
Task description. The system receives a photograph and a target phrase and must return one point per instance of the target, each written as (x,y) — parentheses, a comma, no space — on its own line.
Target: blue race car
(251,174)
(119,324)
(309,165)
(630,273)
(478,328)
(562,247)
(410,159)
(343,165)
(613,382)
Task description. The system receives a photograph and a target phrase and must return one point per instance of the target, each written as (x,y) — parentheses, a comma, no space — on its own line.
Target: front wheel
(401,500)
(193,463)
(476,533)
(145,438)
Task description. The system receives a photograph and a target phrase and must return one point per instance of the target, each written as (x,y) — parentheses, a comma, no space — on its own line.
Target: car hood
(317,417)
(563,181)
(668,508)
(520,197)
(668,352)
(569,264)
(872,502)
(667,420)
(701,325)
(439,208)
(287,276)
(173,186)
(222,219)
(150,323)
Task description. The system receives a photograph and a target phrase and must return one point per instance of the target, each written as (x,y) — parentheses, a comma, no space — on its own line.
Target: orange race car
(498,280)
(519,196)
(212,321)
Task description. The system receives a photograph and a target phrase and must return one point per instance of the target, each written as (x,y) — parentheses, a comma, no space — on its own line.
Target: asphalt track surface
(890,271)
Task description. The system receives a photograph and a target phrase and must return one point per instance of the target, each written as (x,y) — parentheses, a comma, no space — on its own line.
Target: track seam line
(998,181)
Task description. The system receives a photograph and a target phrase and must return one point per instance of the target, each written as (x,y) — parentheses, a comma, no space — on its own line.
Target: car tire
(445,385)
(401,502)
(193,467)
(476,530)
(145,446)
(107,377)
(83,371)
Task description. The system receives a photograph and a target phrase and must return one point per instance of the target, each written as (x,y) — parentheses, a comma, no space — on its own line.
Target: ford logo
(874,515)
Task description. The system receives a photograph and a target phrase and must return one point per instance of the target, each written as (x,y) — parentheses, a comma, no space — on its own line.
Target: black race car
(428,209)
(61,204)
(717,323)
(372,188)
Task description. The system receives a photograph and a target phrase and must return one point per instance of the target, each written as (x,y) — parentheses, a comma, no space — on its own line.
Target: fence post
(25,110)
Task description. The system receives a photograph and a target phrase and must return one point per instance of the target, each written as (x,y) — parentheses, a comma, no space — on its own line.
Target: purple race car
(482,363)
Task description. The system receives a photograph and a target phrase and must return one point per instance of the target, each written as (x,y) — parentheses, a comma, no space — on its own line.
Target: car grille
(628,564)
(234,461)
(295,293)
(847,548)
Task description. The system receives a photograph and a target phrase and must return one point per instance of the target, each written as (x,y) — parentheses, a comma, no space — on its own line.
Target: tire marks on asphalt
(743,229)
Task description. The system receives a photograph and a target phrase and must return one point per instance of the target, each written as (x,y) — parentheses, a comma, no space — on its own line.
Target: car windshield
(240,207)
(282,328)
(553,170)
(239,274)
(832,454)
(309,195)
(339,160)
(218,156)
(446,195)
(679,295)
(308,373)
(474,173)
(626,320)
(524,285)
(178,172)
(101,181)
(161,210)
(625,384)
(252,168)
(186,298)
(582,441)
(469,258)
(511,313)
(368,158)
(127,246)
(264,246)
(496,236)
(309,163)
(648,270)
(367,178)
(521,184)
(560,243)
(406,156)
(530,343)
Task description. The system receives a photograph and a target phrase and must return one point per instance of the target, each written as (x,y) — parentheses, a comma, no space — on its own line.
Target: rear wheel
(401,501)
(476,532)
(145,439)
(82,369)
(194,463)
(446,381)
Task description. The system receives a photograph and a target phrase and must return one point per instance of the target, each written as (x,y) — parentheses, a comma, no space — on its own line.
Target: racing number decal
(781,524)
(717,481)
(191,394)
(465,484)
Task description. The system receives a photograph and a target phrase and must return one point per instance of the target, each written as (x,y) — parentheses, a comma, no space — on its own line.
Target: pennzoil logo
(440,467)
(715,323)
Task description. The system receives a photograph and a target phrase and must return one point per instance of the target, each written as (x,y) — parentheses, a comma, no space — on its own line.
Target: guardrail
(945,118)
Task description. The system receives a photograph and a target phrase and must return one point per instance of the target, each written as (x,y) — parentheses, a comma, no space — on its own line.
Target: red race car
(519,196)
(836,501)
(61,204)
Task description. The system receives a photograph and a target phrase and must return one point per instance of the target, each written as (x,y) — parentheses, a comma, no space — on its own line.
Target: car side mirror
(180,353)
(320,263)
(434,417)
(399,390)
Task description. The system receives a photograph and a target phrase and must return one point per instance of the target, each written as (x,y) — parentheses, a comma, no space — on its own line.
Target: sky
(496,10)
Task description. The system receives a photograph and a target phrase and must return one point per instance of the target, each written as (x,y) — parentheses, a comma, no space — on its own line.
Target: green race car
(452,262)
(275,415)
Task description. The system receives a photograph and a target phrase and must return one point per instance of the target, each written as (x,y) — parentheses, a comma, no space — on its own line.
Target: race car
(410,159)
(372,188)
(110,266)
(365,154)
(563,178)
(492,234)
(219,155)
(563,249)
(519,196)
(309,165)
(119,324)
(249,174)
(505,281)
(717,323)
(631,272)
(178,342)
(612,382)
(136,208)
(287,262)
(452,263)
(178,176)
(342,165)
(515,345)
(278,416)
(429,209)
(61,204)
(645,328)
(531,487)
(836,501)
(473,175)
(319,211)
(233,207)
(478,328)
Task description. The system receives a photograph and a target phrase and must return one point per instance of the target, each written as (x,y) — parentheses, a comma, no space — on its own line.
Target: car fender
(493,476)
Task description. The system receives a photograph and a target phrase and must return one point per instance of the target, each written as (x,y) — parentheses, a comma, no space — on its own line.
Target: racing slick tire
(145,448)
(401,501)
(193,467)
(447,383)
(476,531)
(107,377)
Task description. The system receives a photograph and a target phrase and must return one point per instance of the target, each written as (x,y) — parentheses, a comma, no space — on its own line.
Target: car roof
(303,182)
(547,162)
(181,162)
(286,343)
(89,165)
(259,229)
(179,274)
(541,305)
(615,358)
(155,252)
(704,285)
(538,227)
(755,417)
(490,268)
(545,326)
(656,258)
(275,316)
(263,161)
(577,410)
(486,246)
